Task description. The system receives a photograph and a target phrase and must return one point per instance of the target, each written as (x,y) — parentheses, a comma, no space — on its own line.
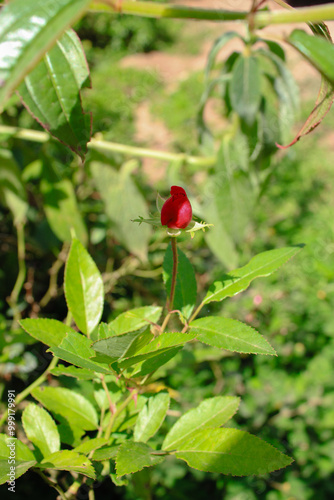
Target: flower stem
(170,300)
(174,274)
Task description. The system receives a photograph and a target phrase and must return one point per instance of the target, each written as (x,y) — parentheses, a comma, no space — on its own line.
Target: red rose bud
(176,212)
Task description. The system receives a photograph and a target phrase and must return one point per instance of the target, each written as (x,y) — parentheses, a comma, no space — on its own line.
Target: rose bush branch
(260,19)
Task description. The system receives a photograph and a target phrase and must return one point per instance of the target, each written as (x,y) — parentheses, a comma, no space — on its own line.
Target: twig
(14,296)
(170,300)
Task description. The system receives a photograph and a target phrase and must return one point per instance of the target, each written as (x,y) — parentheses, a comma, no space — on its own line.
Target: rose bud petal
(176,212)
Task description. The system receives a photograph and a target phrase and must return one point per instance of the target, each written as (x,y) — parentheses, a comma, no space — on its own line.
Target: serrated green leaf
(61,208)
(134,319)
(287,91)
(107,453)
(152,361)
(261,265)
(159,345)
(73,371)
(230,451)
(211,413)
(186,286)
(132,457)
(115,347)
(49,331)
(24,457)
(68,405)
(12,191)
(51,92)
(75,348)
(245,89)
(123,203)
(151,417)
(28,29)
(90,445)
(230,334)
(83,287)
(41,429)
(68,460)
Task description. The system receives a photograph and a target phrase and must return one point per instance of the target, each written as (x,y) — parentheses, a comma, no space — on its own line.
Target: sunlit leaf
(28,29)
(211,413)
(51,93)
(262,264)
(83,287)
(230,451)
(230,334)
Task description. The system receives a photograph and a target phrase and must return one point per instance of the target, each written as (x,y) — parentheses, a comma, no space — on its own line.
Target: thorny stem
(153,9)
(14,296)
(105,146)
(259,18)
(170,300)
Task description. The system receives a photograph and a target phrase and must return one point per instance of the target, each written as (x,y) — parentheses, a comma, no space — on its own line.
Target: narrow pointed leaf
(24,457)
(186,287)
(262,264)
(151,417)
(28,29)
(211,413)
(217,47)
(83,288)
(41,429)
(230,451)
(230,334)
(68,460)
(51,93)
(133,457)
(68,405)
(245,89)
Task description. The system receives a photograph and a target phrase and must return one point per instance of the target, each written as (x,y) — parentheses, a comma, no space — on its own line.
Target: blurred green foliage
(287,400)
